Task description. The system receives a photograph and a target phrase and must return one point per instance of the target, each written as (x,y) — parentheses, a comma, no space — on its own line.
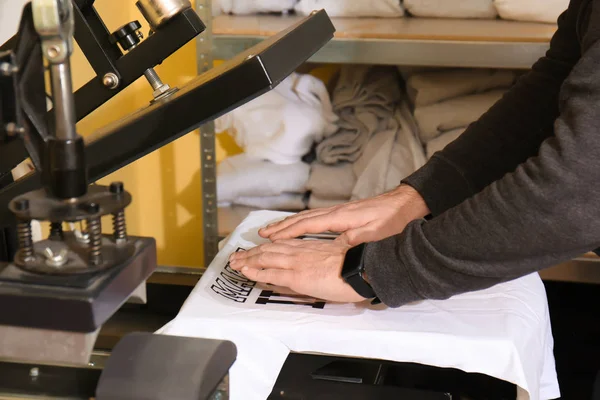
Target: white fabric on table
(531,10)
(459,112)
(283,124)
(429,87)
(438,144)
(352,8)
(254,6)
(451,8)
(245,176)
(503,331)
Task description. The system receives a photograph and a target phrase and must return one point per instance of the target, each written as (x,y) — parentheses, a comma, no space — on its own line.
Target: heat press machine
(56,293)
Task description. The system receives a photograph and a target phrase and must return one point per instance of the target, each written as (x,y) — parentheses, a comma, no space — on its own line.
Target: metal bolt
(117,187)
(82,237)
(12,129)
(53,51)
(93,208)
(34,372)
(8,69)
(56,260)
(22,205)
(110,80)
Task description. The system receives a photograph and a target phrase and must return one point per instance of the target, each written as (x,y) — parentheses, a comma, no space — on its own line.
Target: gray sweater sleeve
(509,133)
(543,212)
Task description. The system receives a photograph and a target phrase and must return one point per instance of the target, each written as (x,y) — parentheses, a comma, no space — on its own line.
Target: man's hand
(359,222)
(308,267)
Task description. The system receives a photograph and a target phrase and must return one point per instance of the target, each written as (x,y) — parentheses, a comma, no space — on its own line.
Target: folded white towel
(254,6)
(245,176)
(331,181)
(425,88)
(442,141)
(352,8)
(282,125)
(459,112)
(282,202)
(531,10)
(451,8)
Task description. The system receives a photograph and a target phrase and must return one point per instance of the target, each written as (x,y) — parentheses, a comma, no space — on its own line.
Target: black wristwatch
(353,271)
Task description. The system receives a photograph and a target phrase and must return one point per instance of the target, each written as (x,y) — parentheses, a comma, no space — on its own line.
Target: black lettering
(223,288)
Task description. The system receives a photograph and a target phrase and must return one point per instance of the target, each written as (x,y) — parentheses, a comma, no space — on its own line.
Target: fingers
(315,224)
(277,227)
(265,260)
(277,277)
(283,248)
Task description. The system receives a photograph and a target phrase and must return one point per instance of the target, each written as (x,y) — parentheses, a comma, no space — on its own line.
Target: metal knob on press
(159,12)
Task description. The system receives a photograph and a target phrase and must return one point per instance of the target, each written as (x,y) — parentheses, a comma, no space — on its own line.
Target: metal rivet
(34,372)
(110,80)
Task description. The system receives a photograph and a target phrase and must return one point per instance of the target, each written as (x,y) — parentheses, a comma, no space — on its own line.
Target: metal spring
(56,230)
(25,236)
(120,226)
(94,228)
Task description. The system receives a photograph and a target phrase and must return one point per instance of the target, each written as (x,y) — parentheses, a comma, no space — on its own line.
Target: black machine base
(141,366)
(79,303)
(314,377)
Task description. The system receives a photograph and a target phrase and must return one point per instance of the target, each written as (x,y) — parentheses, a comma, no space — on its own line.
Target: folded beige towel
(426,88)
(459,112)
(331,181)
(364,100)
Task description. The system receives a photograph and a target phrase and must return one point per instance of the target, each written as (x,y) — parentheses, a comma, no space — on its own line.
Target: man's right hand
(359,222)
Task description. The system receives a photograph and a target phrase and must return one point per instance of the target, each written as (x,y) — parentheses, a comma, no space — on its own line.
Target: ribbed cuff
(387,275)
(440,184)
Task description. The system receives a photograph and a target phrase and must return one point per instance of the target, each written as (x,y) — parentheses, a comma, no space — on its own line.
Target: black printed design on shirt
(232,284)
(271,297)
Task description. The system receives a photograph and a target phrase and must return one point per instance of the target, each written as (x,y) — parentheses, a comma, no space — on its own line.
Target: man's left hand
(308,267)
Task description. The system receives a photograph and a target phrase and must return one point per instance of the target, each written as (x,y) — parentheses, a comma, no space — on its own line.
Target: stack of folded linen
(376,145)
(352,8)
(249,181)
(531,10)
(451,8)
(275,130)
(447,101)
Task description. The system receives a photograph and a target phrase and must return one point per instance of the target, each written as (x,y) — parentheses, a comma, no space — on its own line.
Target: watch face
(353,262)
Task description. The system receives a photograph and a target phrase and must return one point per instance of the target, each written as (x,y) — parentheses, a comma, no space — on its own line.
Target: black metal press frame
(204,99)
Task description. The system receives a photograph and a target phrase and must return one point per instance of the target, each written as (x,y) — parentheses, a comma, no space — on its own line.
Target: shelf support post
(204,44)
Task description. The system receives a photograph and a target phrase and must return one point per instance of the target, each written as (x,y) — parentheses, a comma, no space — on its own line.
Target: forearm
(543,213)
